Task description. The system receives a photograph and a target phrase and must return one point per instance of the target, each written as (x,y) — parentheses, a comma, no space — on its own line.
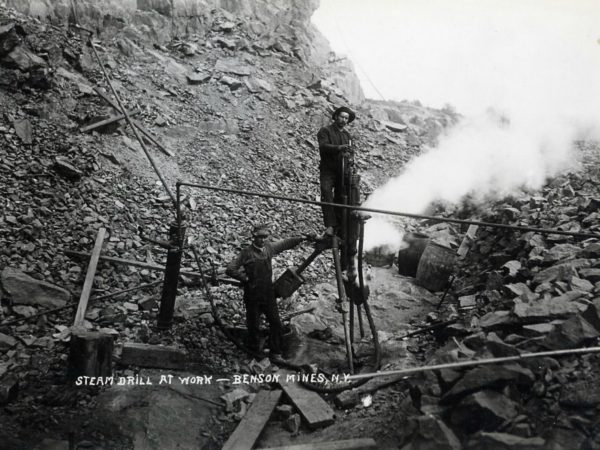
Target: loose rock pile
(60,185)
(521,293)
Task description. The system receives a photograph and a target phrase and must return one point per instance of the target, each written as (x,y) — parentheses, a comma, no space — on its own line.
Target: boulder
(233,66)
(496,319)
(547,308)
(66,169)
(561,271)
(392,126)
(581,394)
(498,348)
(24,131)
(233,83)
(489,376)
(583,285)
(485,410)
(198,78)
(560,252)
(592,313)
(6,342)
(591,251)
(22,59)
(430,433)
(25,290)
(255,84)
(9,38)
(570,334)
(592,275)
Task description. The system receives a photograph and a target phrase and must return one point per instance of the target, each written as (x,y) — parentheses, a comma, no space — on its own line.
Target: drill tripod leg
(343,300)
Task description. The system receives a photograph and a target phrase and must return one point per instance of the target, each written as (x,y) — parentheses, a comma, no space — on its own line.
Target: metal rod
(393,213)
(480,362)
(130,122)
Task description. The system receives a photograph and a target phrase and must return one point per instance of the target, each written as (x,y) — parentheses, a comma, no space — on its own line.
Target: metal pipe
(480,362)
(394,213)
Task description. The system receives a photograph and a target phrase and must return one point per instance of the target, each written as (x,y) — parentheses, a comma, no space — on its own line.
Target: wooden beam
(313,409)
(347,444)
(89,278)
(252,424)
(143,265)
(128,262)
(138,125)
(108,121)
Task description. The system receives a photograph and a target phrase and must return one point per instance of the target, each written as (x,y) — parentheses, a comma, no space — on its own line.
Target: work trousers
(331,193)
(254,308)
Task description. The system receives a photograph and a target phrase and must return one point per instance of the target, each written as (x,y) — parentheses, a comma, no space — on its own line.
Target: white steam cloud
(526,78)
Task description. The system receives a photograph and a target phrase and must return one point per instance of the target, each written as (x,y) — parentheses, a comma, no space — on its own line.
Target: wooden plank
(108,121)
(252,424)
(346,444)
(135,123)
(467,240)
(157,356)
(313,409)
(89,278)
(129,262)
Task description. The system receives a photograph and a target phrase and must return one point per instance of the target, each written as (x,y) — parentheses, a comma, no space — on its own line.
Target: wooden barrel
(409,257)
(436,265)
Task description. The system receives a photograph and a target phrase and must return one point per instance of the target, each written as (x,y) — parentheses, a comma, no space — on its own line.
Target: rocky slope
(236,91)
(236,100)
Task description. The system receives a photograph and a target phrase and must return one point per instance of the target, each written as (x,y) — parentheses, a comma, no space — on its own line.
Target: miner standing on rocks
(253,268)
(337,155)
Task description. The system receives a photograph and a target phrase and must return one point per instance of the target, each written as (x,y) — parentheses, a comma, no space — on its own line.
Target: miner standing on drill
(335,148)
(253,268)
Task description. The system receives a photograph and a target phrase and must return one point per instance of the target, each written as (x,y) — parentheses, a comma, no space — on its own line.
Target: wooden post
(90,354)
(89,279)
(167,300)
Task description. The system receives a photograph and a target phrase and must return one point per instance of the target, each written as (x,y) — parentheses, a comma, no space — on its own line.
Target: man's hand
(311,237)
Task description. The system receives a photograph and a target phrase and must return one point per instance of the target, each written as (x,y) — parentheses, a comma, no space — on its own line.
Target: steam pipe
(394,213)
(480,362)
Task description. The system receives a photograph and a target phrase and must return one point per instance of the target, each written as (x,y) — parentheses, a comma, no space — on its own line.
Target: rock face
(282,26)
(24,290)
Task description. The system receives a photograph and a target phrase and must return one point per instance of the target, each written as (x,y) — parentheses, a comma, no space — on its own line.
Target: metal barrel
(435,266)
(409,257)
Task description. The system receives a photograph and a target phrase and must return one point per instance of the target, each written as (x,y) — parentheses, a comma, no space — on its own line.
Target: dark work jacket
(254,265)
(329,137)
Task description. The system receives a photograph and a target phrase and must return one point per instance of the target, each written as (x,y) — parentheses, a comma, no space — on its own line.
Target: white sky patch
(535,63)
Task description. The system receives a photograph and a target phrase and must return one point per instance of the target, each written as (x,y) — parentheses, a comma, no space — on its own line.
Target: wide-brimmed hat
(261,230)
(344,109)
